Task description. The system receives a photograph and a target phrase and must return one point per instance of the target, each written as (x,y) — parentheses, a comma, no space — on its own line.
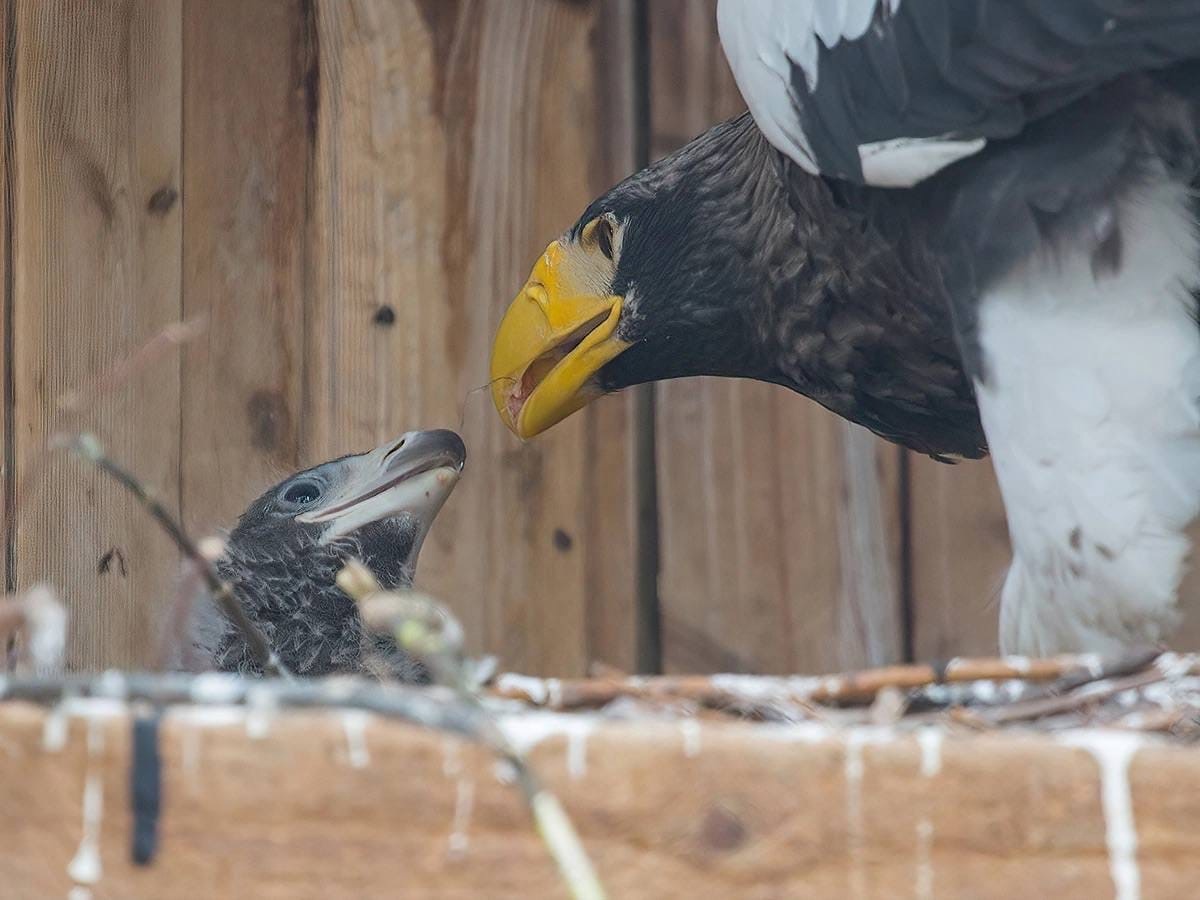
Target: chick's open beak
(553,339)
(411,475)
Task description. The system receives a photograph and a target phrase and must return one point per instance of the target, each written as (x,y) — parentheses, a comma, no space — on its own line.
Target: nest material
(1149,692)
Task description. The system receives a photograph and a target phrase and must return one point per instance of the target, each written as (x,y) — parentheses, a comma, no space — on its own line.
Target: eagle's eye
(302,493)
(604,237)
(600,232)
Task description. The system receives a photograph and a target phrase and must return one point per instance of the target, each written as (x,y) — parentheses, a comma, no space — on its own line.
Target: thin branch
(87,448)
(164,343)
(429,707)
(1077,698)
(422,626)
(74,403)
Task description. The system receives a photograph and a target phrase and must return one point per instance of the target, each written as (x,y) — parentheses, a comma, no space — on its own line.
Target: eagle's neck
(855,313)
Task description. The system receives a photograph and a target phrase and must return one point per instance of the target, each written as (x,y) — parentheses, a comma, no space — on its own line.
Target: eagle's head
(662,277)
(289,545)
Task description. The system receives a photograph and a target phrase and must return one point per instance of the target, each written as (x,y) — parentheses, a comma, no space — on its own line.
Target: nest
(1147,692)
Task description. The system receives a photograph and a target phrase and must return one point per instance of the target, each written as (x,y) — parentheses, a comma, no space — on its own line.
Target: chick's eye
(302,493)
(604,237)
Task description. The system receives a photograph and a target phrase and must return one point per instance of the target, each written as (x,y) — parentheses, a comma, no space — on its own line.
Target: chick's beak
(413,475)
(554,338)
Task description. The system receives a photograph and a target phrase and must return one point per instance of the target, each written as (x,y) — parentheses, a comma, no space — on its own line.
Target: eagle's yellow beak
(554,337)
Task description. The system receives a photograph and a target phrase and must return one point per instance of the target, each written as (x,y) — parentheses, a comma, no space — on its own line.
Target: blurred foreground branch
(41,619)
(73,405)
(423,627)
(420,706)
(87,448)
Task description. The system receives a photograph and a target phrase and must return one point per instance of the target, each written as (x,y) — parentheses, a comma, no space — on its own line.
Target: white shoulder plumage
(767,41)
(764,39)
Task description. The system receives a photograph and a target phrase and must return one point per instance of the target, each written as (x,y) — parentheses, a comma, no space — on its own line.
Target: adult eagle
(968,226)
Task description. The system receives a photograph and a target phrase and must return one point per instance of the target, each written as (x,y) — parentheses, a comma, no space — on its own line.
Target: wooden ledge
(329,804)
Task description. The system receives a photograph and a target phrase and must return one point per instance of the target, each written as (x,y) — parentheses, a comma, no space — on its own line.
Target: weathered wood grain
(328,806)
(247,94)
(780,535)
(453,141)
(621,603)
(7,481)
(96,269)
(959,554)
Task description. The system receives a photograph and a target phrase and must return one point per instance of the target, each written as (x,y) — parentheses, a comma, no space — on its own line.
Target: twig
(724,691)
(166,341)
(422,626)
(88,448)
(74,403)
(429,707)
(1076,698)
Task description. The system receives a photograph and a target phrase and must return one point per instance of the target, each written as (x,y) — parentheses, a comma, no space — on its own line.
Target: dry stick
(166,341)
(846,688)
(74,403)
(88,448)
(1082,695)
(1087,695)
(420,706)
(425,628)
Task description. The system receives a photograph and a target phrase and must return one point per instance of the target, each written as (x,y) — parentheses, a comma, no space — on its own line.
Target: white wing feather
(764,39)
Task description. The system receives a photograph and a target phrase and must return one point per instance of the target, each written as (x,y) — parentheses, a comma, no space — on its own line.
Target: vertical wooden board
(780,532)
(7,485)
(96,268)
(960,553)
(246,152)
(614,472)
(452,142)
(1188,635)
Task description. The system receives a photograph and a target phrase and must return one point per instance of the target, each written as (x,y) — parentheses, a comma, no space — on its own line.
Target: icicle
(451,758)
(464,798)
(260,709)
(690,729)
(54,728)
(85,867)
(930,741)
(577,753)
(1113,751)
(354,723)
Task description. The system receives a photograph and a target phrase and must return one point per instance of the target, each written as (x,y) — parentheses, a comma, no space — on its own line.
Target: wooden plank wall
(95,254)
(304,165)
(348,192)
(780,523)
